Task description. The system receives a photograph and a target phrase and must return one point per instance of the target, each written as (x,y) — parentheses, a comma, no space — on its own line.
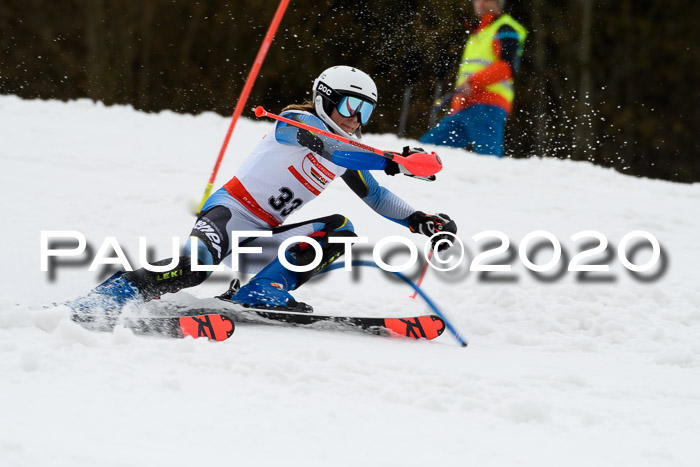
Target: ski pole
(422,274)
(419,163)
(244,94)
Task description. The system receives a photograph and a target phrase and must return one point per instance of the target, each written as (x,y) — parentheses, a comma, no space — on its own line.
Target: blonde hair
(307,106)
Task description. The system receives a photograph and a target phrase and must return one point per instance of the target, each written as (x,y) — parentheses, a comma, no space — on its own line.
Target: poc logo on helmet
(324,89)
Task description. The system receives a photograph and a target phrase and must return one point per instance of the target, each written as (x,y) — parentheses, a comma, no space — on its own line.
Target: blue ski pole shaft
(462,341)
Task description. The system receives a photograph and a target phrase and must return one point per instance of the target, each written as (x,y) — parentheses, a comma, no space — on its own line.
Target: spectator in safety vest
(483,95)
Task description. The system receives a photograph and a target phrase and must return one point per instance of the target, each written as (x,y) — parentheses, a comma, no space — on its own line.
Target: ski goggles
(349,106)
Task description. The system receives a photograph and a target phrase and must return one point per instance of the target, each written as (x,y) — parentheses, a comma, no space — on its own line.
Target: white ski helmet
(337,83)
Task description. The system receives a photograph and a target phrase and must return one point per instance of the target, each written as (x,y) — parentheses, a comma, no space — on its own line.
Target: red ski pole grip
(260,112)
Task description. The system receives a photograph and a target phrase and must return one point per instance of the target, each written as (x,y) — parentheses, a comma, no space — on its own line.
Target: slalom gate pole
(462,341)
(243,98)
(442,102)
(419,163)
(422,273)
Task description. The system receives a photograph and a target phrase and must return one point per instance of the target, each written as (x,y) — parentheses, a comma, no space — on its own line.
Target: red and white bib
(277,179)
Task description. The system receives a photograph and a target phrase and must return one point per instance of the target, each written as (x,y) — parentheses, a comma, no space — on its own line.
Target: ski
(215,327)
(415,327)
(217,321)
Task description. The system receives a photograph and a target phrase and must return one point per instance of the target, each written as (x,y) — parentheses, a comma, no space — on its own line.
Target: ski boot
(101,307)
(268,290)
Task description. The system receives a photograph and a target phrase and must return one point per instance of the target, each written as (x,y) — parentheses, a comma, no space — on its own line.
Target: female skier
(286,170)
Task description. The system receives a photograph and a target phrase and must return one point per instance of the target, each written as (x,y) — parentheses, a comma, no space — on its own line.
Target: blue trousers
(479,125)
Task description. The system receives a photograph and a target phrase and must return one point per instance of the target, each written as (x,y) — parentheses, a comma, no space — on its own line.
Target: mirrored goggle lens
(351,105)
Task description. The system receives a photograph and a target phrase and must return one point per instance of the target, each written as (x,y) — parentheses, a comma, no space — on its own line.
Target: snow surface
(558,372)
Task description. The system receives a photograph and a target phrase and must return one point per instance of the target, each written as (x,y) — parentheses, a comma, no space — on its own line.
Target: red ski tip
(213,327)
(421,327)
(260,112)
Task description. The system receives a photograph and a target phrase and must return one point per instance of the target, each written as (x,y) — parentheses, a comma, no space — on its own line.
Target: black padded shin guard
(154,284)
(331,252)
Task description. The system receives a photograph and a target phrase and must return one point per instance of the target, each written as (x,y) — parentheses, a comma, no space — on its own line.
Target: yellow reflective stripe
(478,54)
(502,90)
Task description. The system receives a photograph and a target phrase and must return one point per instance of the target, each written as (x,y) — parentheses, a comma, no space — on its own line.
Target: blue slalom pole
(463,342)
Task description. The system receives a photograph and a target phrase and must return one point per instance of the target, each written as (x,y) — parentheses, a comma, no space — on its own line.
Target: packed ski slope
(558,372)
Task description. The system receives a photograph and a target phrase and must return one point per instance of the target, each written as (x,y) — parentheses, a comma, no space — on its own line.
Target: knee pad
(210,229)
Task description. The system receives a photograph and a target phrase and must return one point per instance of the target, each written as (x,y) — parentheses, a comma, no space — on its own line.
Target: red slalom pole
(419,163)
(245,93)
(422,274)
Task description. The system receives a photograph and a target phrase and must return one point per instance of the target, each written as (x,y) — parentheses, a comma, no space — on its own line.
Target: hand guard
(429,225)
(392,168)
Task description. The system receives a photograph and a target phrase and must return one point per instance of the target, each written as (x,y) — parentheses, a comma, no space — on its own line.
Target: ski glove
(429,225)
(392,168)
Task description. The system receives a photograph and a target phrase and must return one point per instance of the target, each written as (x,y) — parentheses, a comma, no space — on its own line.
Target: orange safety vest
(478,54)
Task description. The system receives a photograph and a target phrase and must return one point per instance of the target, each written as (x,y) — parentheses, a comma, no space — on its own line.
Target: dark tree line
(612,82)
